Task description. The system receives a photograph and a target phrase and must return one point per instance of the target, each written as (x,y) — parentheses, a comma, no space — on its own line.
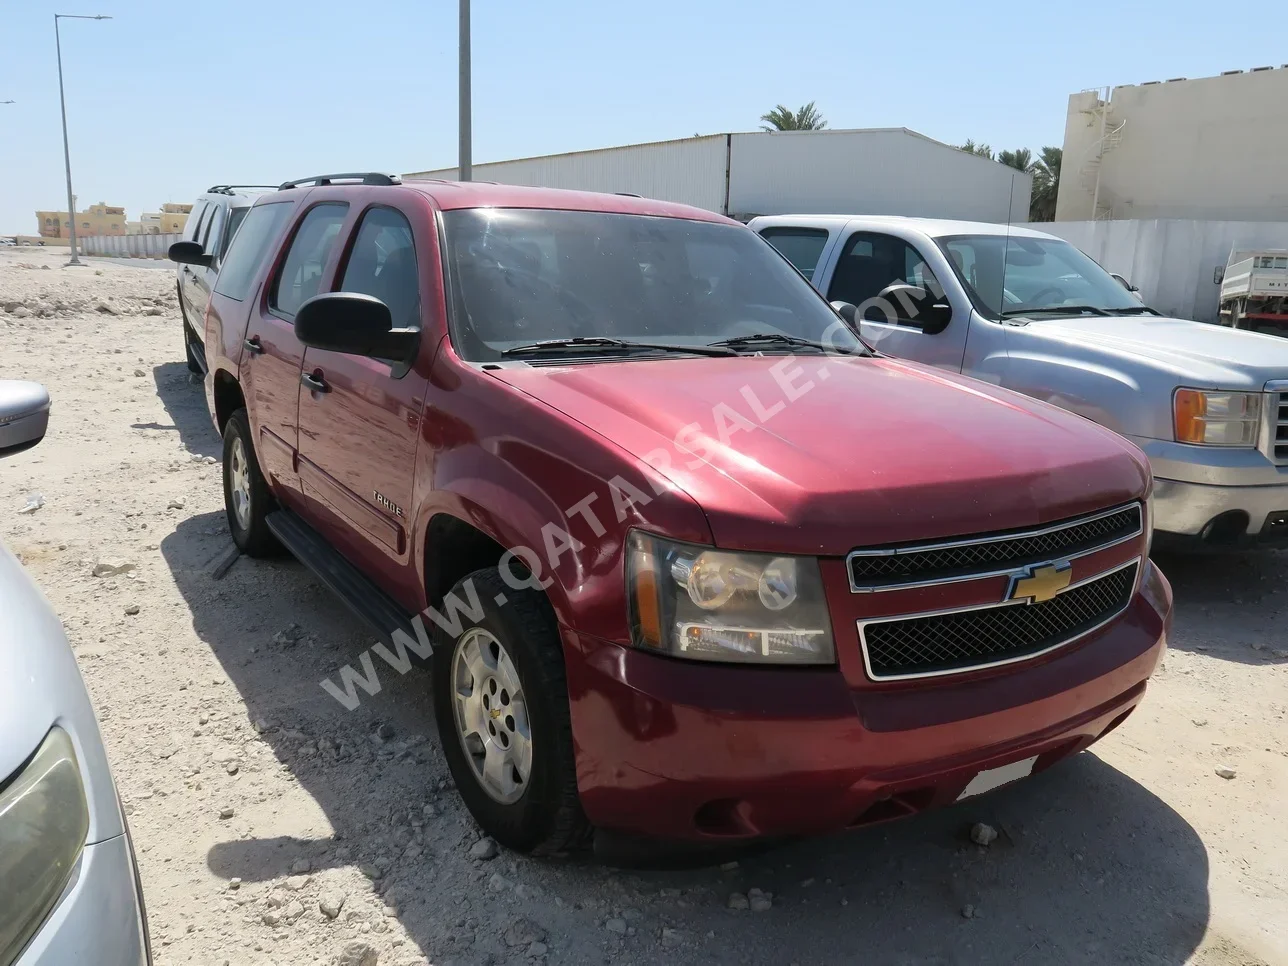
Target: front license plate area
(990,778)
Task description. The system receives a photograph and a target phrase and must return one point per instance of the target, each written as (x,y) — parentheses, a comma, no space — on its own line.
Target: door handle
(252,345)
(314,381)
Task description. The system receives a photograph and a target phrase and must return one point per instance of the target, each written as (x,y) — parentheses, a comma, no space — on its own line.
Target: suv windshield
(1008,276)
(522,276)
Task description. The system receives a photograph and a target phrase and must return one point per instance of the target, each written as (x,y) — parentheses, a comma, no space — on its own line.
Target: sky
(168,98)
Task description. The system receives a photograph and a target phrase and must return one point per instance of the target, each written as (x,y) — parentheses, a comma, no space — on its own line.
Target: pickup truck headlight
(44,821)
(711,605)
(1217,418)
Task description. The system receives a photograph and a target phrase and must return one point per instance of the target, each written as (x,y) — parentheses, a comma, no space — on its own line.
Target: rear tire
(514,644)
(247,498)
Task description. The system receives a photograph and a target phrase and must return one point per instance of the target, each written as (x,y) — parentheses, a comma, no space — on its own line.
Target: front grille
(888,569)
(1279,442)
(958,641)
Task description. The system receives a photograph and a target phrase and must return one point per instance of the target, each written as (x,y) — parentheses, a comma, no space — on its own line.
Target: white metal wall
(871,172)
(691,171)
(1210,148)
(128,246)
(880,171)
(1172,261)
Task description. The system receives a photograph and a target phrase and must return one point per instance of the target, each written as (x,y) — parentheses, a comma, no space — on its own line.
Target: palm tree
(1020,160)
(781,118)
(983,150)
(1046,184)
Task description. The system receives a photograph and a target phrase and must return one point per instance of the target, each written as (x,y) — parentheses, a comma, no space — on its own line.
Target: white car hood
(41,686)
(1198,354)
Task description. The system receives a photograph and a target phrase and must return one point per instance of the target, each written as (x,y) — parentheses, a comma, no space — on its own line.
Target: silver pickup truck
(1028,311)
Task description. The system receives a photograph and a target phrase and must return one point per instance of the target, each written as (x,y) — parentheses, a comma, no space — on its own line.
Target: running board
(377,609)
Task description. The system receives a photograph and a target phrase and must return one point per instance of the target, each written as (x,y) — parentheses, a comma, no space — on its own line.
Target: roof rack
(362,177)
(628,194)
(227,189)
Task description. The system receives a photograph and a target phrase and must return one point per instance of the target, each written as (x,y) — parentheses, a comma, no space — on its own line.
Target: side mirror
(918,306)
(24,415)
(846,311)
(937,317)
(355,324)
(1218,275)
(1123,282)
(190,253)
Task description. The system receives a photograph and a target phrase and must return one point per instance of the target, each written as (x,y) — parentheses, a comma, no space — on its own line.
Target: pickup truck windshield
(1013,276)
(523,275)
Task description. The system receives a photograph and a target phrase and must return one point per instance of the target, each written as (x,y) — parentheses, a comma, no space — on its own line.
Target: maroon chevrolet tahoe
(692,561)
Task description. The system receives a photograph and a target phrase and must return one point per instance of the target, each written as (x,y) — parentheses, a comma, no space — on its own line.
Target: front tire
(247,499)
(501,703)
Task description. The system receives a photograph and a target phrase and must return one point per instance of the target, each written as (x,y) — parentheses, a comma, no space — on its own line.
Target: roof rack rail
(628,194)
(227,189)
(362,177)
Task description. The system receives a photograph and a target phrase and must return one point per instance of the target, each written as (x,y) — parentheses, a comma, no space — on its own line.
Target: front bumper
(685,751)
(1217,495)
(99,918)
(1222,514)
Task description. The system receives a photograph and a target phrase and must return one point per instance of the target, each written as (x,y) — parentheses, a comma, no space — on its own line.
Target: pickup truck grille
(1279,425)
(914,565)
(927,645)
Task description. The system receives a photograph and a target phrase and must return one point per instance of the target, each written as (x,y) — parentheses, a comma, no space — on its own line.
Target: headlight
(711,605)
(1217,418)
(44,821)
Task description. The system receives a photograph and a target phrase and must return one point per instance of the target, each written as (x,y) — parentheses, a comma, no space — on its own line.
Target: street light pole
(62,100)
(464,162)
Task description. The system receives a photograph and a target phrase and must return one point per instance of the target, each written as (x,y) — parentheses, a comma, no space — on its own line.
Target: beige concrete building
(1208,149)
(174,217)
(99,219)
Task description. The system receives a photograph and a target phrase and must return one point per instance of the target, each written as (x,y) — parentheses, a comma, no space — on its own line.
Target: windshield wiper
(1060,309)
(778,338)
(603,344)
(1135,310)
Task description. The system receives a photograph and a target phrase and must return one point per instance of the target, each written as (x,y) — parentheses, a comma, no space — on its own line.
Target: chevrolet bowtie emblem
(1040,582)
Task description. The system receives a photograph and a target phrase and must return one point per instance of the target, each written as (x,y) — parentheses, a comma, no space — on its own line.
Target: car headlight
(712,605)
(1217,418)
(44,821)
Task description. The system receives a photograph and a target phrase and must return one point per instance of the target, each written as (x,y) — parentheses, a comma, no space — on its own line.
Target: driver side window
(869,265)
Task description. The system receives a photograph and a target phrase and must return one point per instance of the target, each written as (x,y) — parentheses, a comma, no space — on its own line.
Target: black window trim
(899,321)
(284,250)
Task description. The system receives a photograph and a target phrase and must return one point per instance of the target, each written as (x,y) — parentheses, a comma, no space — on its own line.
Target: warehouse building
(879,171)
(1209,149)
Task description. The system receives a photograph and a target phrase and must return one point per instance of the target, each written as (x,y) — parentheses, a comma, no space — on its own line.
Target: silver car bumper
(1187,508)
(99,918)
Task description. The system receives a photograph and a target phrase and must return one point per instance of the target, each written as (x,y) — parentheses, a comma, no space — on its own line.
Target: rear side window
(383,264)
(192,227)
(210,234)
(259,230)
(235,216)
(800,246)
(301,272)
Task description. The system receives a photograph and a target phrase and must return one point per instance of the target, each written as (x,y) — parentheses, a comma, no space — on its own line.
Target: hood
(1198,354)
(40,686)
(806,454)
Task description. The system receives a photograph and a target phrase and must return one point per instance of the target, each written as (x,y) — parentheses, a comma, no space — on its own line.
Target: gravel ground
(275,827)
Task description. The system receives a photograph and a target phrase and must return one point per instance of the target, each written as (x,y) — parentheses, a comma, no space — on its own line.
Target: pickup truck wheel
(247,499)
(501,703)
